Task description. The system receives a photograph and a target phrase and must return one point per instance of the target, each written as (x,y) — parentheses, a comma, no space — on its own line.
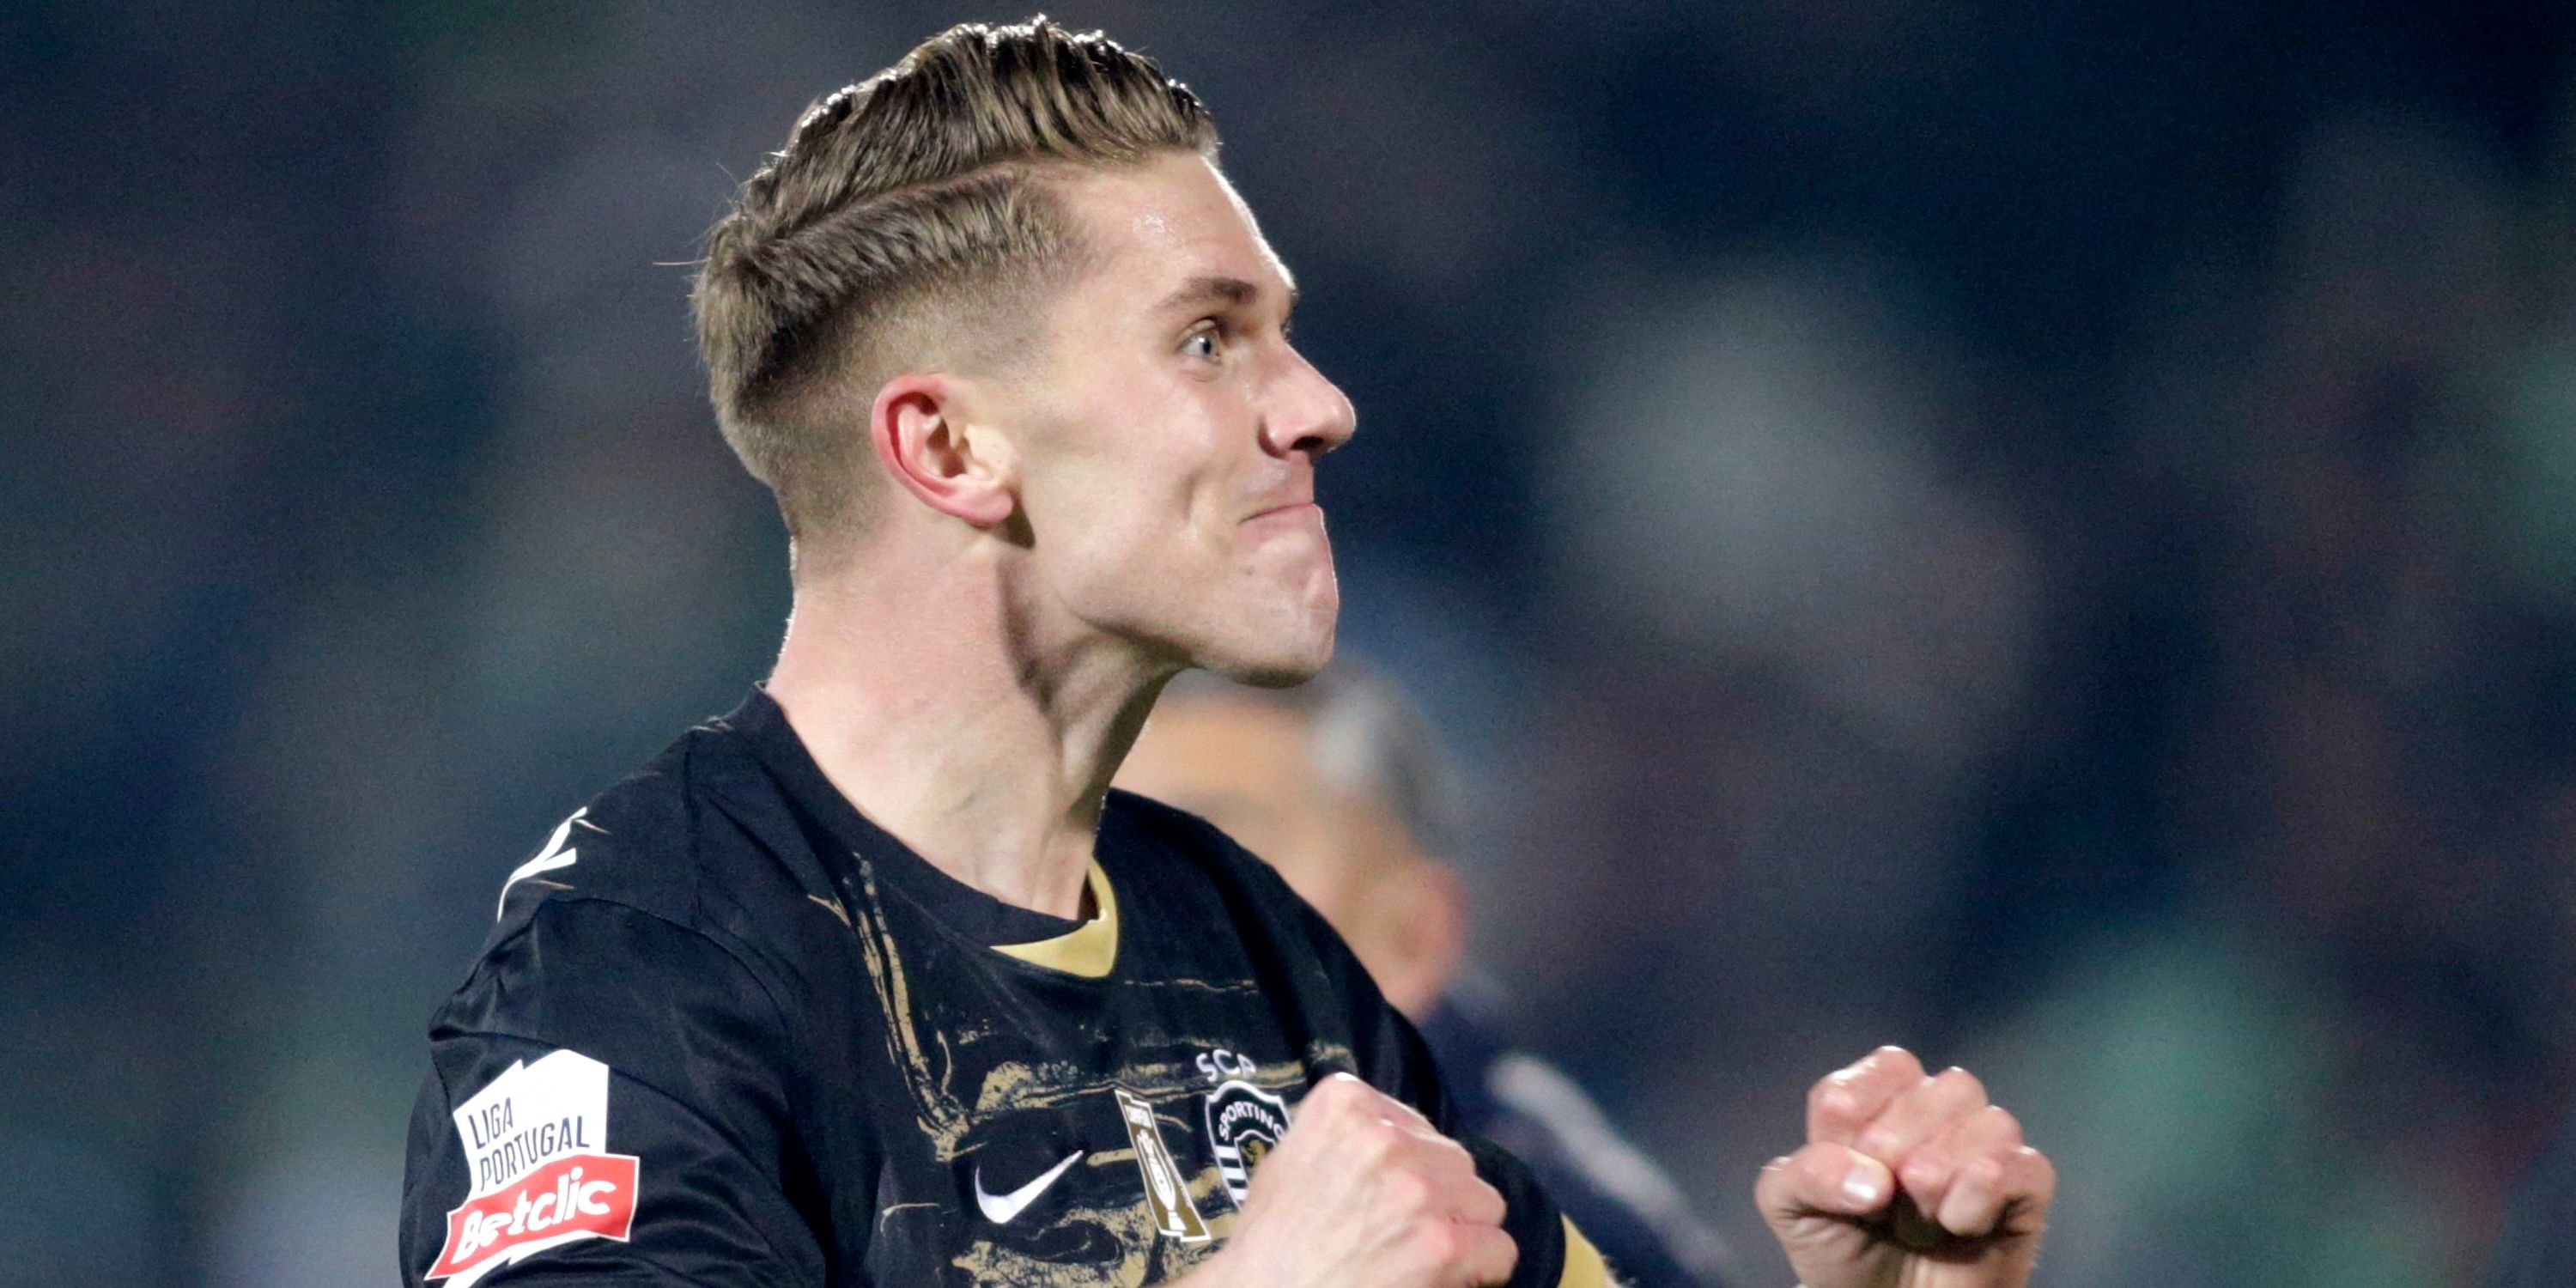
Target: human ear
(921,435)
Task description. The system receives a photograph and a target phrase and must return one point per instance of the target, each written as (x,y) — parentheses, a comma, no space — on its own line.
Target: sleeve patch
(536,1145)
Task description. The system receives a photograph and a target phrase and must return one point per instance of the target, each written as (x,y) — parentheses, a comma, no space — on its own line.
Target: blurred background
(2040,532)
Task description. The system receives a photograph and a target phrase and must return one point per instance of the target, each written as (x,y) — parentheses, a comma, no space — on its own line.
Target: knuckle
(1334,1093)
(1406,1192)
(1775,1177)
(1375,1140)
(1832,1100)
(1962,1084)
(1818,1172)
(1440,1243)
(2003,1123)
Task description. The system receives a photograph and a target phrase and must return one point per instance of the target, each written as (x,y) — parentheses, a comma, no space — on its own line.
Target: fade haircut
(910,219)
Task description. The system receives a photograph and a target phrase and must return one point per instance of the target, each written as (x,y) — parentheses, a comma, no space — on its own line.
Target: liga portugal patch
(536,1141)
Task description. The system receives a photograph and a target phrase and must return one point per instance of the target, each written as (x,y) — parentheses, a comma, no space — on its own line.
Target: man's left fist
(1908,1178)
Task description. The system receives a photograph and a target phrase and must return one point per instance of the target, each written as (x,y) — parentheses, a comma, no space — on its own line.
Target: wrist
(1218,1271)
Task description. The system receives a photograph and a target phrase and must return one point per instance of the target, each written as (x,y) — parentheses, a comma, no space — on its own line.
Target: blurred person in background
(1339,785)
(1013,357)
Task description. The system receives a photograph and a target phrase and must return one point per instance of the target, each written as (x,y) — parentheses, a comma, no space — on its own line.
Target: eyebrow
(1218,289)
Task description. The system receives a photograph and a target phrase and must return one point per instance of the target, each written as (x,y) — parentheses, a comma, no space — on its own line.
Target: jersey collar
(1087,950)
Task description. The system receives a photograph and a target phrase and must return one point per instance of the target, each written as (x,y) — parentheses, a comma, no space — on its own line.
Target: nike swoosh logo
(1000,1208)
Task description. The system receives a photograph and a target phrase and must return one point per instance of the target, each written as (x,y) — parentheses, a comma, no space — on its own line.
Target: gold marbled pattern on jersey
(963,1074)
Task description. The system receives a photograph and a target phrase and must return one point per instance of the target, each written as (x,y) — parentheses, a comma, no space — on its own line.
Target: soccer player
(874,980)
(1338,785)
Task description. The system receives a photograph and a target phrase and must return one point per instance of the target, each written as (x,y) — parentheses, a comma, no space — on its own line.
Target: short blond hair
(907,211)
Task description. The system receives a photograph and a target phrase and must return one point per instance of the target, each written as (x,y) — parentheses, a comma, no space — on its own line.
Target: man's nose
(1307,412)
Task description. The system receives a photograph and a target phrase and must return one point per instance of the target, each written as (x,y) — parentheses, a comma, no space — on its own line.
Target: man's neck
(948,712)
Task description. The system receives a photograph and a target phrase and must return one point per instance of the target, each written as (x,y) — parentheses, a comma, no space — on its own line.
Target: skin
(1908,1180)
(1363,1191)
(1058,541)
(1061,539)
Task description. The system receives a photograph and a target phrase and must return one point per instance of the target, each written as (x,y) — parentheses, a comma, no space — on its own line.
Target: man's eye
(1202,344)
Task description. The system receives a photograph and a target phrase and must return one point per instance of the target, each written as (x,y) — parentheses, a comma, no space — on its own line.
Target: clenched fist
(1363,1193)
(1908,1178)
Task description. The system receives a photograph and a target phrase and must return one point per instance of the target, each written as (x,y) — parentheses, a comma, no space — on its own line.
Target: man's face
(1171,433)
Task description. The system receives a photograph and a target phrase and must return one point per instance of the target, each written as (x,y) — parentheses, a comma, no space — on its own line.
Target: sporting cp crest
(1244,1122)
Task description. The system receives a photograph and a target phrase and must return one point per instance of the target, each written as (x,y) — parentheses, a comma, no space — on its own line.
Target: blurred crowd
(2043,534)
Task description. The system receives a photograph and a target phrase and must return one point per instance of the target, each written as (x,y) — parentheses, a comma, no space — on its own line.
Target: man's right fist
(1363,1193)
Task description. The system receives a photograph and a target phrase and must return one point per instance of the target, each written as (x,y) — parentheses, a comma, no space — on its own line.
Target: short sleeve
(609,1104)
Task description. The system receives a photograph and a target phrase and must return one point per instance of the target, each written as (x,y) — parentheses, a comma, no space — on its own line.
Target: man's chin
(1279,643)
(1275,677)
(1276,668)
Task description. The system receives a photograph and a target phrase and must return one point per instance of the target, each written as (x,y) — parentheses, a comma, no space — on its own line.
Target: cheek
(1145,514)
(1155,488)
(1124,538)
(1132,505)
(1084,477)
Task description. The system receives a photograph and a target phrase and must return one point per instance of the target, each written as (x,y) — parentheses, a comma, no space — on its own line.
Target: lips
(1285,510)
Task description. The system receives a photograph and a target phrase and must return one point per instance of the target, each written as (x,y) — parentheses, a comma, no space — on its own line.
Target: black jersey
(727,1032)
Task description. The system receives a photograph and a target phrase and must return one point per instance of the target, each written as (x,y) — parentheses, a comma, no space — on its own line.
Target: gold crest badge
(1167,1192)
